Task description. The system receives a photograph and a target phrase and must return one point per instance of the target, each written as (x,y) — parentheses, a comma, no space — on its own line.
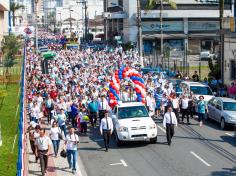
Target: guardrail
(22,147)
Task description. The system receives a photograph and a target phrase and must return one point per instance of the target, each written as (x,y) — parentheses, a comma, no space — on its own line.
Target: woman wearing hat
(201,106)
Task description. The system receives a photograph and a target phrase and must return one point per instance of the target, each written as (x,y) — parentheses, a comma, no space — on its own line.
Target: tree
(13,8)
(150,6)
(10,48)
(152,3)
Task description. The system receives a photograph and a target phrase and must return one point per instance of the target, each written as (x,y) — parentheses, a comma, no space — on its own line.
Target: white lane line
(162,129)
(229,134)
(198,157)
(114,164)
(124,163)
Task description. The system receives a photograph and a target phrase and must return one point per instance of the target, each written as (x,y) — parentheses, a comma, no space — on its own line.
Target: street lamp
(140,42)
(59,13)
(36,25)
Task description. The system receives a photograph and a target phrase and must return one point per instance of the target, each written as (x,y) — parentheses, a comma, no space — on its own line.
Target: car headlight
(123,129)
(153,126)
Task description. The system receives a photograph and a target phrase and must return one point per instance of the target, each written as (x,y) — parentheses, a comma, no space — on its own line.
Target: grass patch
(9,125)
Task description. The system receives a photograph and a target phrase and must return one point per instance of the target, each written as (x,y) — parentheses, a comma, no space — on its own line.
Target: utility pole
(84,2)
(221,11)
(140,42)
(86,19)
(36,25)
(95,23)
(105,20)
(70,22)
(161,30)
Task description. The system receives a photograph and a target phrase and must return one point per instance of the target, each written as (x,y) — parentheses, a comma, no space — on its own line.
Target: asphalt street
(195,151)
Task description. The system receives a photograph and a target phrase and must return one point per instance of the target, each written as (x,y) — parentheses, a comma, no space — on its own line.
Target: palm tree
(153,3)
(13,8)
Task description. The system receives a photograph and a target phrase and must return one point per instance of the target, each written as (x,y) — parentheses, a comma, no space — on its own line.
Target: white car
(207,55)
(198,89)
(222,110)
(133,123)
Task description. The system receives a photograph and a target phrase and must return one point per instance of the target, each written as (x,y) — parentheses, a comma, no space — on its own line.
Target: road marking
(122,163)
(229,134)
(162,129)
(198,157)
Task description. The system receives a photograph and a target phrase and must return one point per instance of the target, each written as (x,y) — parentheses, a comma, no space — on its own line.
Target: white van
(132,123)
(198,89)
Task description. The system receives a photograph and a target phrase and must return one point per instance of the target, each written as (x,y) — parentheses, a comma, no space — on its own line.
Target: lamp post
(140,42)
(36,25)
(161,30)
(70,21)
(59,13)
(84,2)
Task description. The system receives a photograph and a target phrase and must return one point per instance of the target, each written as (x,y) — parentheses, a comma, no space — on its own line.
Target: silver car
(222,110)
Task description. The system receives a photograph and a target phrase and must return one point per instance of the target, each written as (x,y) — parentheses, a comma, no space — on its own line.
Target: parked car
(132,123)
(222,110)
(205,55)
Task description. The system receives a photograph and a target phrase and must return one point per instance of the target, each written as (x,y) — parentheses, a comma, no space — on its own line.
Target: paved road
(195,151)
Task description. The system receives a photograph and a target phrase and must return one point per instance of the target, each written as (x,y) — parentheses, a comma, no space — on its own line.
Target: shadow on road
(225,172)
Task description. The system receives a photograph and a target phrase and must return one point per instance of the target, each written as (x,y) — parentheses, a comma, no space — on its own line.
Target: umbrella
(48,55)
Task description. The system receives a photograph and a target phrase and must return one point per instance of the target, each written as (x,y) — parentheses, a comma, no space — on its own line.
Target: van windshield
(132,112)
(197,90)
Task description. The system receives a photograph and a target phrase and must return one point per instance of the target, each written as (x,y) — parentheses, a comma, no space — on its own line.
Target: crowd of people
(75,94)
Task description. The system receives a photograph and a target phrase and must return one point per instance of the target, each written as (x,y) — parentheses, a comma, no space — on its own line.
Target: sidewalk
(56,166)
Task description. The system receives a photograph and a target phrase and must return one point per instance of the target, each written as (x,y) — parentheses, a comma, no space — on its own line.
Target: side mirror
(214,93)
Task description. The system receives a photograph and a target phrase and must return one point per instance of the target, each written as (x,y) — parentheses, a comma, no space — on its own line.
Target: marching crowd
(75,94)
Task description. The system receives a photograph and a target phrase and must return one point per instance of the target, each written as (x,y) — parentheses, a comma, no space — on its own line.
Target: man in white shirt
(106,129)
(42,145)
(102,107)
(71,143)
(169,122)
(184,108)
(35,112)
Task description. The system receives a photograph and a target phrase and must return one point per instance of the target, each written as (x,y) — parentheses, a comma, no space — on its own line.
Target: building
(193,27)
(230,58)
(72,14)
(4,8)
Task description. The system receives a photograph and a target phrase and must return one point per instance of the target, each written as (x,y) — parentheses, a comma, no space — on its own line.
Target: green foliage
(166,50)
(13,8)
(152,3)
(10,48)
(52,17)
(214,70)
(90,37)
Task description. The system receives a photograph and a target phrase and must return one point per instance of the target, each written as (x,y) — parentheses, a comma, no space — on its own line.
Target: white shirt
(43,142)
(35,112)
(54,133)
(103,105)
(149,101)
(71,141)
(185,103)
(169,118)
(175,103)
(103,125)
